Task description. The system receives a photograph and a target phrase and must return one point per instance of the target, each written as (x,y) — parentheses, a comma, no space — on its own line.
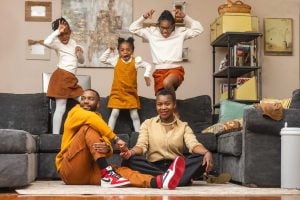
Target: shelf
(234,72)
(231,38)
(239,101)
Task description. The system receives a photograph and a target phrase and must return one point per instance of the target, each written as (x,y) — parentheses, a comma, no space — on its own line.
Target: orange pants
(159,76)
(79,165)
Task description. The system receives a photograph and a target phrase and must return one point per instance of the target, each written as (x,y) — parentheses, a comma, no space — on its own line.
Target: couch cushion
(49,143)
(230,143)
(225,127)
(16,141)
(17,169)
(27,112)
(295,103)
(196,111)
(209,140)
(232,110)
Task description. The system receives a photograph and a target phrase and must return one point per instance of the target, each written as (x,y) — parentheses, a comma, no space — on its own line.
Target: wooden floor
(13,196)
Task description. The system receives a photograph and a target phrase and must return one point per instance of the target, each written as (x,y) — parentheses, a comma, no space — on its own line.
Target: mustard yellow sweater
(77,117)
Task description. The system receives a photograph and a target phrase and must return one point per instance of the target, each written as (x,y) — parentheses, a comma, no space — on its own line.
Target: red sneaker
(112,179)
(170,179)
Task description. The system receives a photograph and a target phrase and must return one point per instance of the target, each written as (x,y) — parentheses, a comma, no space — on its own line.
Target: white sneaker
(113,179)
(170,179)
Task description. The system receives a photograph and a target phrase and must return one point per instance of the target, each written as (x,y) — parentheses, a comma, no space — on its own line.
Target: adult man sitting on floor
(86,145)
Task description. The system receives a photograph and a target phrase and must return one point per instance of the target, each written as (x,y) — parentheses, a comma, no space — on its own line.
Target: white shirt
(66,53)
(166,52)
(109,57)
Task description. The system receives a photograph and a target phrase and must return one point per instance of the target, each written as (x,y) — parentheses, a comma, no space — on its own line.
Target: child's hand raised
(62,26)
(147,80)
(179,13)
(148,14)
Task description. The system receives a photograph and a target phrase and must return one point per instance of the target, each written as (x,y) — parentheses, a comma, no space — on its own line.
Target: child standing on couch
(124,87)
(63,82)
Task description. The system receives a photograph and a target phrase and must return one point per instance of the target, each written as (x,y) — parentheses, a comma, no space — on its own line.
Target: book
(244,54)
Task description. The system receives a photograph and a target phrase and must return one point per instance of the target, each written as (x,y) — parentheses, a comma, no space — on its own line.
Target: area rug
(198,188)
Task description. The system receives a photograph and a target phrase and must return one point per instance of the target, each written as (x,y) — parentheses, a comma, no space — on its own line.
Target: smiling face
(89,100)
(125,51)
(165,107)
(166,28)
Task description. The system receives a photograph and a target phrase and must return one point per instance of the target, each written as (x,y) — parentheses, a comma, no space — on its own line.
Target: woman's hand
(148,14)
(207,161)
(127,154)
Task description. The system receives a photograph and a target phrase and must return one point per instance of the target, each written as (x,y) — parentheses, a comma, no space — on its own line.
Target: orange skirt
(63,85)
(160,74)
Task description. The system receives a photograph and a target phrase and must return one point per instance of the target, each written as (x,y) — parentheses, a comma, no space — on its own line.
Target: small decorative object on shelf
(234,7)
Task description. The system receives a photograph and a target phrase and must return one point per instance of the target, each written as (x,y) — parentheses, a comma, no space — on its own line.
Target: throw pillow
(230,110)
(225,127)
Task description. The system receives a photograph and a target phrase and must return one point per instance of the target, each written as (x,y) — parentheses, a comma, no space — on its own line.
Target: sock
(102,163)
(153,183)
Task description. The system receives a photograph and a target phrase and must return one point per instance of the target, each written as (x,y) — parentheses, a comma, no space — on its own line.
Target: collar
(158,120)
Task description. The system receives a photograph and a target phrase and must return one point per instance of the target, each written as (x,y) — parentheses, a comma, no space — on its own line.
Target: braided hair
(130,41)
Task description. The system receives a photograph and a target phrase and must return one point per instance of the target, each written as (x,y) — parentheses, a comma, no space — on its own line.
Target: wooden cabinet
(234,69)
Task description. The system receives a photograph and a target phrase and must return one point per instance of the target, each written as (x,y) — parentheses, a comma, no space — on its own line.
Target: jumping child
(63,82)
(166,44)
(124,87)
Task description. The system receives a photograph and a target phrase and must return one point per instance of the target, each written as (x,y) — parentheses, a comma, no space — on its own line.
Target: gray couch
(252,156)
(28,150)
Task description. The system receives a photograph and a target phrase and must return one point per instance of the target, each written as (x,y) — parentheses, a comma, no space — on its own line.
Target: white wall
(18,75)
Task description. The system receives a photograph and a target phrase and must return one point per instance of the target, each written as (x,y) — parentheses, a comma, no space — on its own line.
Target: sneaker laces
(114,174)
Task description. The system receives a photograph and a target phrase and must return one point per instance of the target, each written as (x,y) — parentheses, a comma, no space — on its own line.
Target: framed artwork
(278,34)
(39,11)
(36,50)
(96,25)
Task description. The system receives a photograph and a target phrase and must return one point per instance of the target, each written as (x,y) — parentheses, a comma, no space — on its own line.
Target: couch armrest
(255,122)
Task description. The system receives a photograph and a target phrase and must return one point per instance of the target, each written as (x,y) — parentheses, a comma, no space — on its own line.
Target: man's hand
(121,145)
(101,147)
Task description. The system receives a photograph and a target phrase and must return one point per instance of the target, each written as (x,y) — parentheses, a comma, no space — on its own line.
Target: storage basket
(234,7)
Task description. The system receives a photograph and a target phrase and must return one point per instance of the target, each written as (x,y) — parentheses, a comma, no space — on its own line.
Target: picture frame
(96,26)
(278,36)
(38,11)
(36,50)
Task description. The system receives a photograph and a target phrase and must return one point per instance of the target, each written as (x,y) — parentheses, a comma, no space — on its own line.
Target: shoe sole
(177,170)
(105,185)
